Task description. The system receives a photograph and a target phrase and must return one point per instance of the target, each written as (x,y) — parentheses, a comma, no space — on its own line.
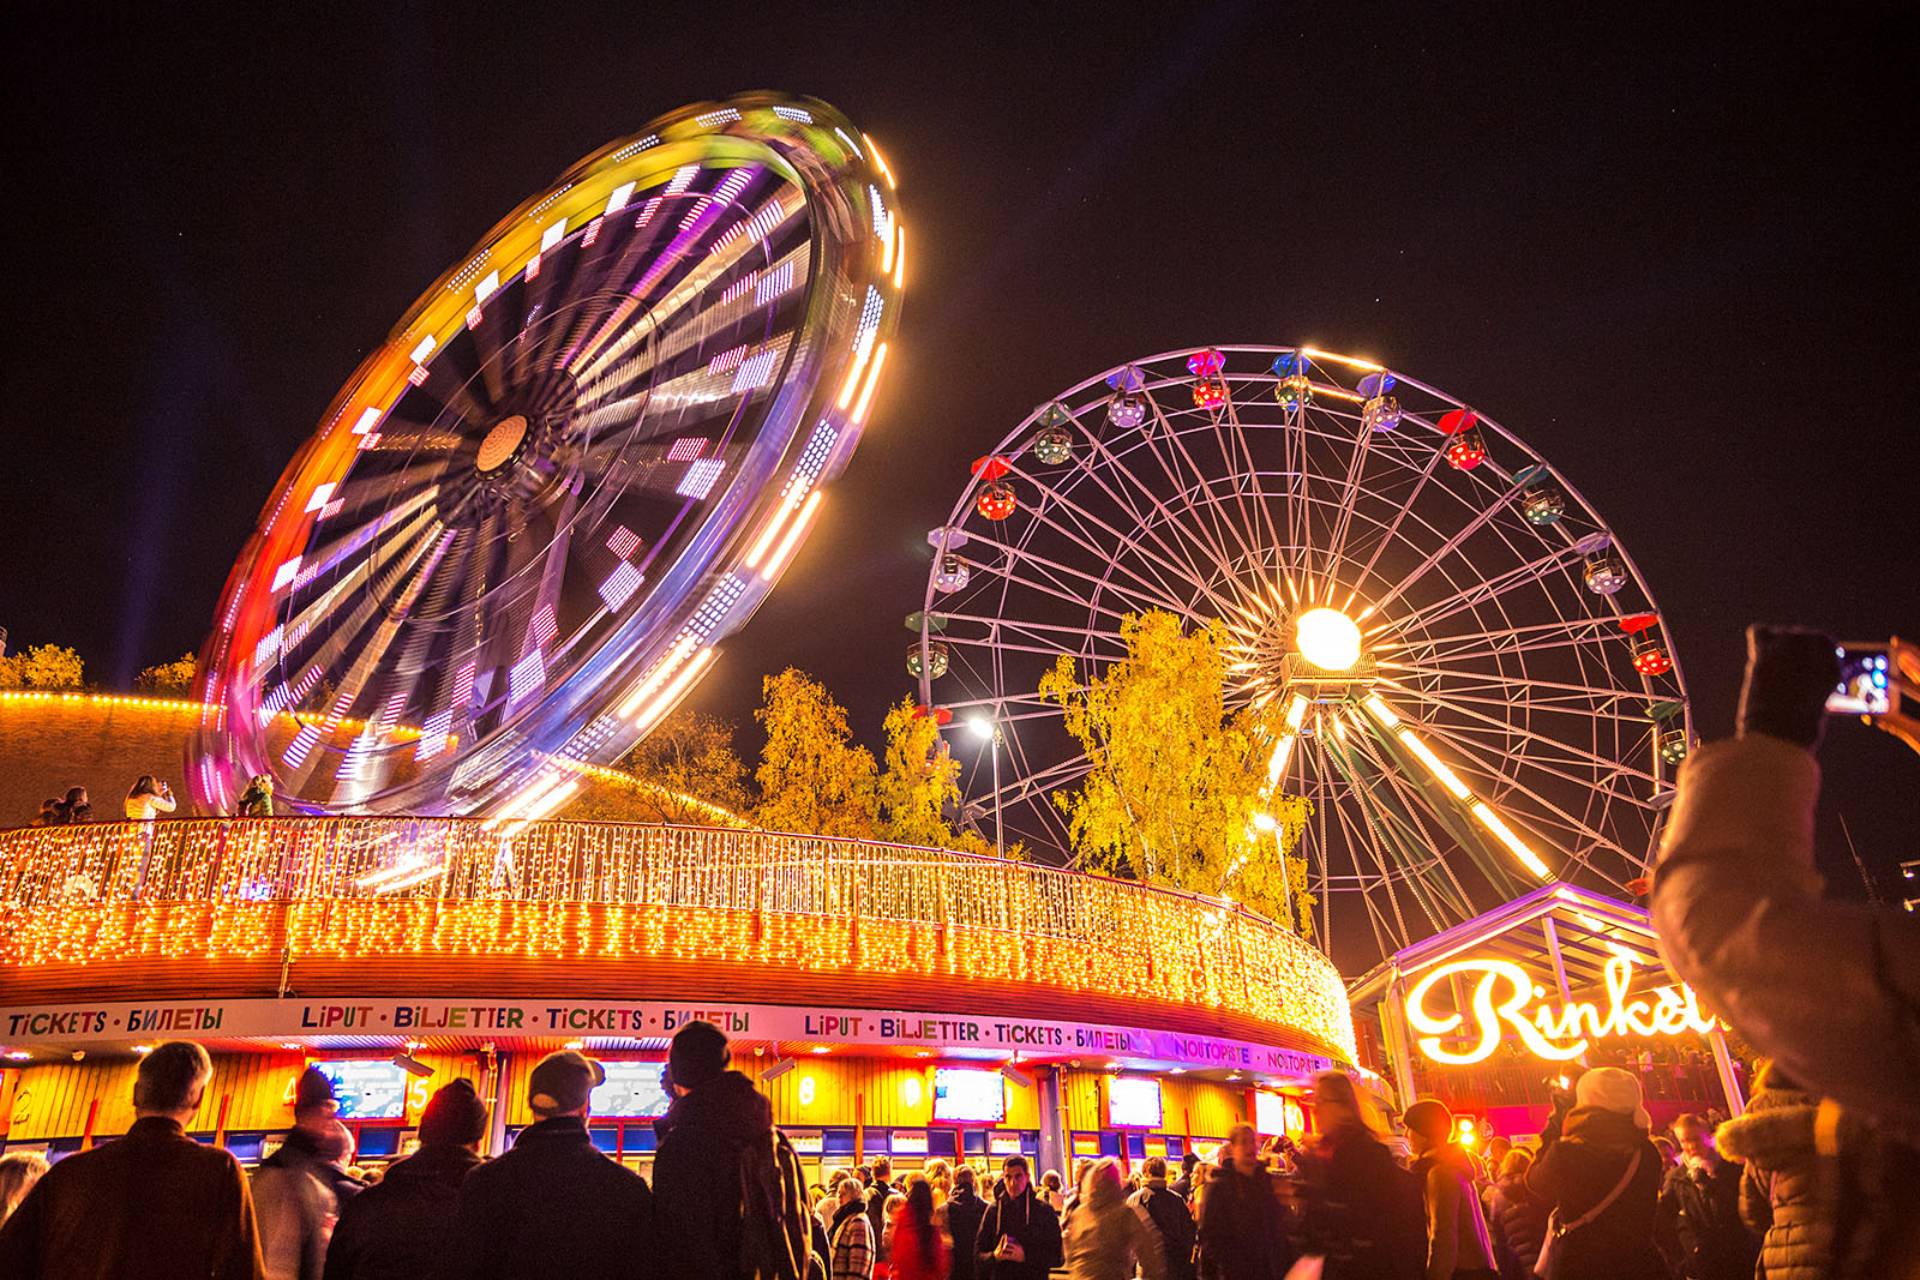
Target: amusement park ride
(588,451)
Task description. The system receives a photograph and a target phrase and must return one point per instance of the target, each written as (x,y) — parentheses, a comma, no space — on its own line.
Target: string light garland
(261,889)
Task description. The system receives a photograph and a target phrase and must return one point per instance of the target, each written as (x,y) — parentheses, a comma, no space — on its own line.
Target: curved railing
(57,882)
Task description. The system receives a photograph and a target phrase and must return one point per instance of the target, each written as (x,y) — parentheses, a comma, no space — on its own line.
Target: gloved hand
(1790,672)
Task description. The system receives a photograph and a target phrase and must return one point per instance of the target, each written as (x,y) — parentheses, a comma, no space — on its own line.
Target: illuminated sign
(631,1090)
(1275,1113)
(908,1143)
(367,1089)
(1133,1102)
(960,1093)
(1504,1000)
(998,1144)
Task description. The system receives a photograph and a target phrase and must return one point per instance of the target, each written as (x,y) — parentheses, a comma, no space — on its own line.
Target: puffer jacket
(1829,990)
(1837,1214)
(1519,1222)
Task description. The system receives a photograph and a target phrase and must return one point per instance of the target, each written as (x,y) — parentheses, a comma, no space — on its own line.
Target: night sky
(1675,261)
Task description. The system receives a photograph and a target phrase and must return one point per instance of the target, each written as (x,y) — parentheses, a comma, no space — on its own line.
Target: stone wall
(46,747)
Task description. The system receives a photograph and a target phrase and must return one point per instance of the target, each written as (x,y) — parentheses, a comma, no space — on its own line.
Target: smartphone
(1862,690)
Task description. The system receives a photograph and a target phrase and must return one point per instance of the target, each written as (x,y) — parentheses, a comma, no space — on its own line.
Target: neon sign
(1554,1034)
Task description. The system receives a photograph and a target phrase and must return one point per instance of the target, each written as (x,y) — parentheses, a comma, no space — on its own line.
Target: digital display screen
(964,1093)
(1862,690)
(367,1089)
(631,1090)
(1269,1113)
(1133,1102)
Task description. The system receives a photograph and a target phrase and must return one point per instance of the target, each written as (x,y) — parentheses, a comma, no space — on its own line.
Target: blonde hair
(18,1172)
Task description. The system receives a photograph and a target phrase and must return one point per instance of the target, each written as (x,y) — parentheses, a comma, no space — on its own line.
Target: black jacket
(1243,1227)
(877,1210)
(1704,1210)
(396,1229)
(696,1174)
(1172,1221)
(1360,1210)
(553,1206)
(1031,1221)
(1575,1172)
(964,1211)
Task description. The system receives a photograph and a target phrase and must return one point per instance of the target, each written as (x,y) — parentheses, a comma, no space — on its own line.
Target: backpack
(775,1243)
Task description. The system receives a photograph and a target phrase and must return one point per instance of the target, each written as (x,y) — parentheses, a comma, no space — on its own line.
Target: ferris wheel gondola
(581,460)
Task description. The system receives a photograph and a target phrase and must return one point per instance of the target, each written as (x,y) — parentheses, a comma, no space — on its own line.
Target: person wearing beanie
(716,1139)
(1459,1242)
(299,1189)
(554,1207)
(1599,1168)
(399,1226)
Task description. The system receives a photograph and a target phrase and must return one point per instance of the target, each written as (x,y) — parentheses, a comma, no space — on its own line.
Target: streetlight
(987,731)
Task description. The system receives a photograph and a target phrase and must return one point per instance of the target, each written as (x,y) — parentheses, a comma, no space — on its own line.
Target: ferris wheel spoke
(1500,503)
(1477,593)
(1123,497)
(1563,631)
(1144,588)
(1411,819)
(1539,810)
(1194,531)
(1176,440)
(1265,532)
(1607,768)
(1521,685)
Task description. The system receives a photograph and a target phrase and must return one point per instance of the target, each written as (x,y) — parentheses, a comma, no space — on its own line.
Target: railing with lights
(353,886)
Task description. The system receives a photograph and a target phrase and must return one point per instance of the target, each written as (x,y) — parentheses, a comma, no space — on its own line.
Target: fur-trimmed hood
(1777,1131)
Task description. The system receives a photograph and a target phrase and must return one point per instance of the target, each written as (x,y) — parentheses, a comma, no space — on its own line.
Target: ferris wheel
(1473,685)
(582,459)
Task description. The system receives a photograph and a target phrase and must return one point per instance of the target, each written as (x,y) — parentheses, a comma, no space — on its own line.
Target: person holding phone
(1829,990)
(1019,1236)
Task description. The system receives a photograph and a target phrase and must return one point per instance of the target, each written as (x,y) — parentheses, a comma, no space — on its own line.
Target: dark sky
(1674,259)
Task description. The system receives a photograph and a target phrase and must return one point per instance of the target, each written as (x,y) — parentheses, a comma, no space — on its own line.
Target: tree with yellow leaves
(920,780)
(813,778)
(1177,793)
(42,666)
(168,677)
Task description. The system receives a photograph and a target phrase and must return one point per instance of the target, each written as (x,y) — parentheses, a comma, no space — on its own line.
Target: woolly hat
(563,1082)
(1612,1089)
(314,1094)
(454,1115)
(699,1054)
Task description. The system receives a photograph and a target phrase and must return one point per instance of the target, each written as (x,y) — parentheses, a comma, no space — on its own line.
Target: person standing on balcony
(257,800)
(153,1203)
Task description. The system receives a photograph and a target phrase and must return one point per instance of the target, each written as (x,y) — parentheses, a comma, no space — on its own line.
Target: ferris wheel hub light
(501,443)
(1328,639)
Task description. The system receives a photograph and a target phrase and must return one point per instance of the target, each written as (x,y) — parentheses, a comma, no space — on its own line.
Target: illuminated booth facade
(1490,1015)
(889,1000)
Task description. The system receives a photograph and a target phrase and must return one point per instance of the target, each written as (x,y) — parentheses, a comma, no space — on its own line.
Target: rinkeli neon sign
(1554,1034)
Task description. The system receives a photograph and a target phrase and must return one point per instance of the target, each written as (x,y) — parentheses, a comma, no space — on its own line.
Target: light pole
(984,728)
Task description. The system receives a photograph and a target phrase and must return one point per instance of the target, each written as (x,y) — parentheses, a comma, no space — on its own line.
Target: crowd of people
(1818,1179)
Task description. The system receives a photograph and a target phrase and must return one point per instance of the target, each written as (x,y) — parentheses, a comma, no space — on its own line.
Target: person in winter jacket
(397,1228)
(963,1210)
(919,1250)
(153,1203)
(1170,1218)
(1360,1212)
(1105,1238)
(1243,1227)
(1700,1198)
(1459,1243)
(554,1207)
(1019,1236)
(1184,1185)
(1828,990)
(1585,1155)
(1826,1186)
(850,1235)
(716,1127)
(1518,1218)
(298,1190)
